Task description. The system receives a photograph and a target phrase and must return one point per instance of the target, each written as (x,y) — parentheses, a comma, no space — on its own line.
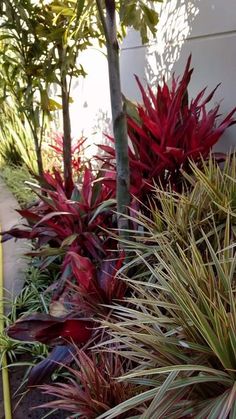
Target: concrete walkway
(14,265)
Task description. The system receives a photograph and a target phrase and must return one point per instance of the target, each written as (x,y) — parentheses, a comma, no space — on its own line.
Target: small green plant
(15,178)
(16,350)
(32,297)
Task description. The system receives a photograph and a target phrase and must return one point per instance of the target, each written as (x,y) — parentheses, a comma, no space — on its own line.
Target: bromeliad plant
(167,132)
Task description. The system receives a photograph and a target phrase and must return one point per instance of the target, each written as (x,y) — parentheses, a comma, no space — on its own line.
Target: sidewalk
(13,264)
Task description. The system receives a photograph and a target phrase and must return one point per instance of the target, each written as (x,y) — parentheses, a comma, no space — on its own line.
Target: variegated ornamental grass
(179,326)
(174,335)
(179,329)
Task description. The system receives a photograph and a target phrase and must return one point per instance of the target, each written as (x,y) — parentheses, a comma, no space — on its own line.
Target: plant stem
(66,137)
(66,129)
(118,114)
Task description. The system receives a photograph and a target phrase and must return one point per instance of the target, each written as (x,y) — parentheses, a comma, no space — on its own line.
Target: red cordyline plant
(170,131)
(61,222)
(93,387)
(76,150)
(73,233)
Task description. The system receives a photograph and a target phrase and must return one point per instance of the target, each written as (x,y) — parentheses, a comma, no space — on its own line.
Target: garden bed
(24,408)
(128,309)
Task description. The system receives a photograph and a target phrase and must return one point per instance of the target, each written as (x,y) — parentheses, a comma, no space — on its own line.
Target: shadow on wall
(102,127)
(207,30)
(103,122)
(175,25)
(132,61)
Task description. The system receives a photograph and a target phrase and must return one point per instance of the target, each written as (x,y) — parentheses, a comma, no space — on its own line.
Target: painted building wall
(205,28)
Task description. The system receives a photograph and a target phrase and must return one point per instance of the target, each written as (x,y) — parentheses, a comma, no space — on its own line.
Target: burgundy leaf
(44,328)
(40,373)
(83,270)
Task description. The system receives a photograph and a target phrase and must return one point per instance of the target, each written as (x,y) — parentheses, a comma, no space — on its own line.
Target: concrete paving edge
(14,263)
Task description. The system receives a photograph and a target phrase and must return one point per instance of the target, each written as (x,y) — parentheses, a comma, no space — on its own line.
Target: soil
(23,410)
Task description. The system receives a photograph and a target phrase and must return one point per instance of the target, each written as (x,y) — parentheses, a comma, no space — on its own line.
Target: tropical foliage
(167,132)
(175,330)
(144,323)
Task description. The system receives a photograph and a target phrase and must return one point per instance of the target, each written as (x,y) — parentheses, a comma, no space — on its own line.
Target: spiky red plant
(59,221)
(93,388)
(76,150)
(71,233)
(170,132)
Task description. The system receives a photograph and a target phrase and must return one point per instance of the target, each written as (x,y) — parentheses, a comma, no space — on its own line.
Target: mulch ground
(23,410)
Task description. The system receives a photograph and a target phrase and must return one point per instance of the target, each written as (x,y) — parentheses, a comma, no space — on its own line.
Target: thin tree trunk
(39,161)
(38,152)
(30,117)
(67,161)
(118,114)
(66,137)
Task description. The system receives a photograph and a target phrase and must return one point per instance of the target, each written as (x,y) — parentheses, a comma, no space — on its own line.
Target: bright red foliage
(44,328)
(74,232)
(76,150)
(60,222)
(170,131)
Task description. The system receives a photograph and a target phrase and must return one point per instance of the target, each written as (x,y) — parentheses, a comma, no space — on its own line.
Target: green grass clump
(15,178)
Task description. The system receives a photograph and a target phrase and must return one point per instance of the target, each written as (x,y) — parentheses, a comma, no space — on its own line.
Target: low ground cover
(15,177)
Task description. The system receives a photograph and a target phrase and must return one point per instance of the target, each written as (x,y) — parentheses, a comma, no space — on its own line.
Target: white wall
(90,111)
(205,28)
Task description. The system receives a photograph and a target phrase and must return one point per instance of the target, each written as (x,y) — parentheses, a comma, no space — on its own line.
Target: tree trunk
(67,161)
(118,117)
(39,161)
(38,153)
(66,138)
